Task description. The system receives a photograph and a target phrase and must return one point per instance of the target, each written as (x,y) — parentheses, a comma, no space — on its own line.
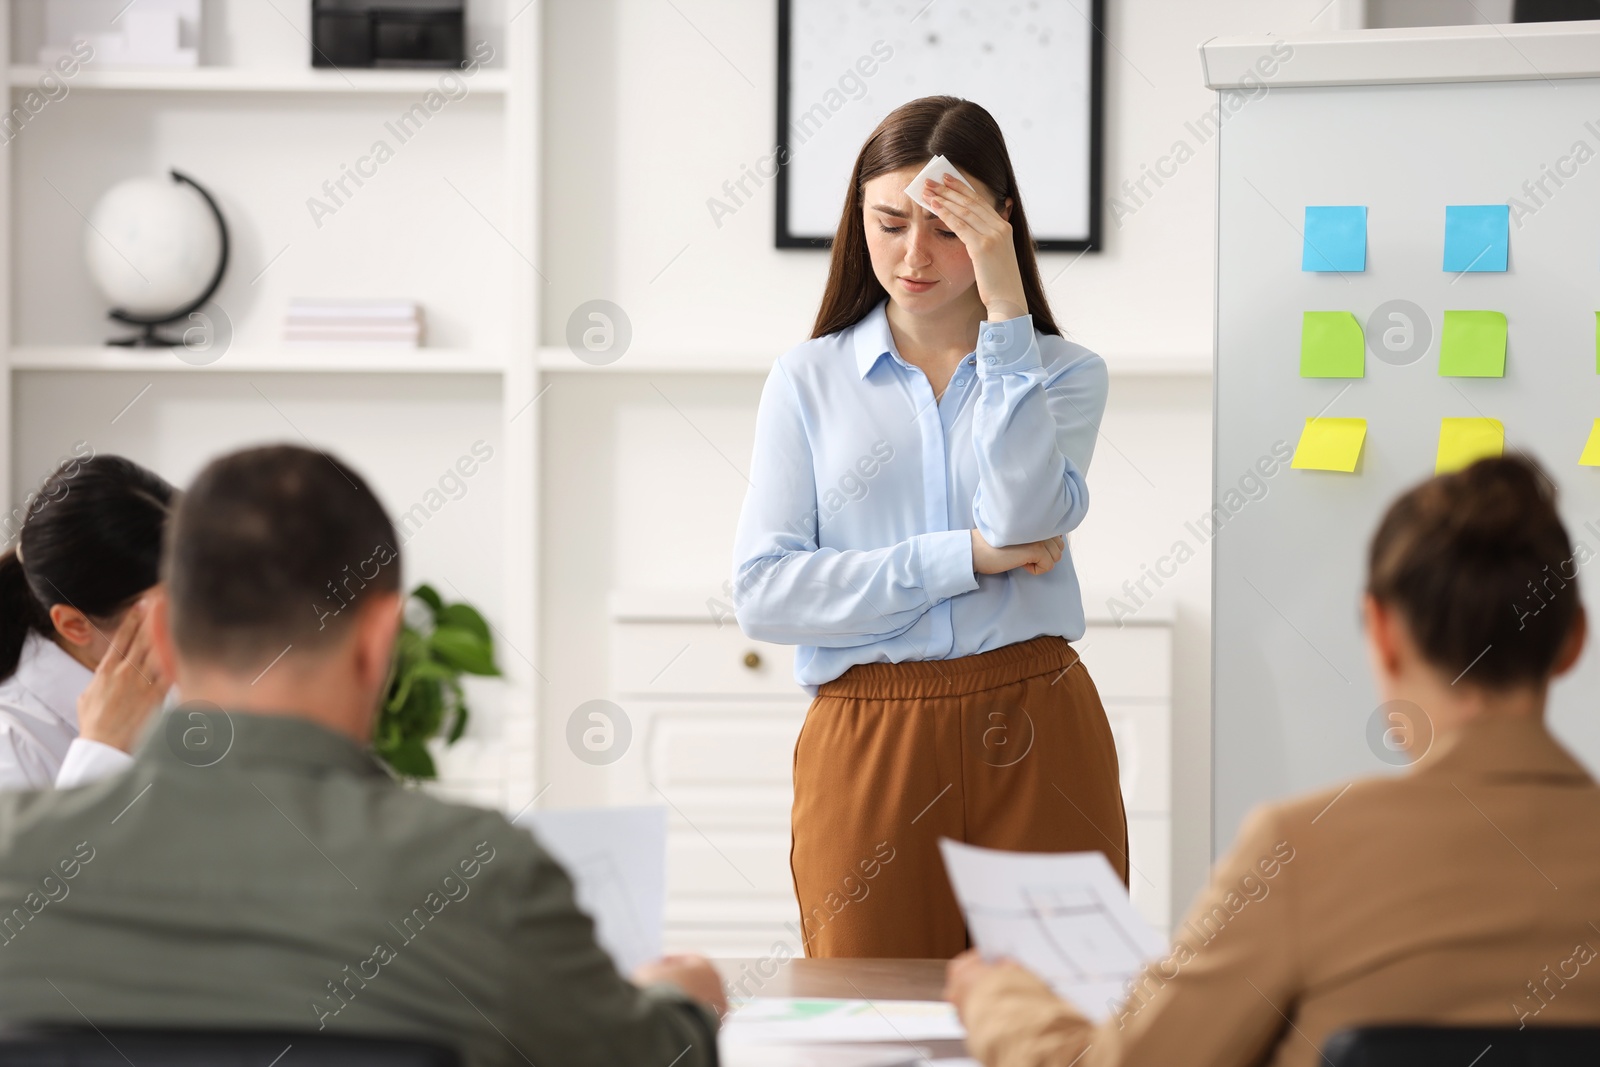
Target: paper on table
(1461,441)
(773,1020)
(823,1055)
(1065,916)
(1335,239)
(1328,444)
(1331,345)
(936,169)
(617,859)
(1476,237)
(1473,345)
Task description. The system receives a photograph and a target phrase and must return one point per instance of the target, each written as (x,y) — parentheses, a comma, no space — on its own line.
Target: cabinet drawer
(723,748)
(1131,662)
(1150,874)
(667,658)
(1143,734)
(738,864)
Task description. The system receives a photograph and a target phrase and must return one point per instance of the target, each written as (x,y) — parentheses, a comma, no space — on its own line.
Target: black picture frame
(783,237)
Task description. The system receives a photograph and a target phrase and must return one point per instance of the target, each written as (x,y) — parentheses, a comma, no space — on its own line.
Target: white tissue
(938,167)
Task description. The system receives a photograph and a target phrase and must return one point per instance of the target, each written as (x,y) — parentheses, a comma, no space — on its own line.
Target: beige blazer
(1465,891)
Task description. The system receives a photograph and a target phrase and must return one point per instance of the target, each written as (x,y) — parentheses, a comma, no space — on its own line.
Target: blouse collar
(52,676)
(872,338)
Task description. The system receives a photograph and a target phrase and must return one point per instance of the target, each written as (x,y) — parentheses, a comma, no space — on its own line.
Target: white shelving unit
(289,80)
(463,188)
(311,360)
(453,220)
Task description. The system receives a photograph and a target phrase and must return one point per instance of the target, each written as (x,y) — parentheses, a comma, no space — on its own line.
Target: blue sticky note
(1335,239)
(1476,237)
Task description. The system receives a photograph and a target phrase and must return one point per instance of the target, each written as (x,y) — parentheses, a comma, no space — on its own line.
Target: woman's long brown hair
(909,136)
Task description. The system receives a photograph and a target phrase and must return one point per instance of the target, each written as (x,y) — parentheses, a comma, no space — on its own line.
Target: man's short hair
(273,547)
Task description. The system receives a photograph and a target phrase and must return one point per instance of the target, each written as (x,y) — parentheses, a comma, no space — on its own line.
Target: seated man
(257,867)
(1464,892)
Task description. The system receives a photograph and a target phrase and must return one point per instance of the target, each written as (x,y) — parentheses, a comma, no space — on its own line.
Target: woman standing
(917,464)
(78,674)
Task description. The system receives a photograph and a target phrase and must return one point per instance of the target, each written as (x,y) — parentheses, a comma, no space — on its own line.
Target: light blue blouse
(853,541)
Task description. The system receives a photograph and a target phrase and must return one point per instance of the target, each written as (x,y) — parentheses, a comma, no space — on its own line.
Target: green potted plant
(437,644)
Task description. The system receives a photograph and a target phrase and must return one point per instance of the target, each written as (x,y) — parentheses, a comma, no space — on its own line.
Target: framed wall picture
(1036,65)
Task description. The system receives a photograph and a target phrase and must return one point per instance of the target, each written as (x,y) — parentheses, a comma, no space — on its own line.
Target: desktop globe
(156,249)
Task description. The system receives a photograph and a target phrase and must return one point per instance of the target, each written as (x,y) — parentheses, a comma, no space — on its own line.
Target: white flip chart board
(1404,123)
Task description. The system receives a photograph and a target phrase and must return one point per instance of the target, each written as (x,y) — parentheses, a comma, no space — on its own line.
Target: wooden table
(844,979)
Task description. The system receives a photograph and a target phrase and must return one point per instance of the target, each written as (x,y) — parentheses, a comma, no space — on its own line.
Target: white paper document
(617,859)
(888,1055)
(790,1020)
(1065,916)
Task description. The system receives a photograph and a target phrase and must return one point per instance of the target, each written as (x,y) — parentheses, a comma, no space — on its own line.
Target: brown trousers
(1007,749)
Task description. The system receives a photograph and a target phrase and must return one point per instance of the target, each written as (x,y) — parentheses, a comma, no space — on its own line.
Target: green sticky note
(1330,445)
(1331,345)
(1473,345)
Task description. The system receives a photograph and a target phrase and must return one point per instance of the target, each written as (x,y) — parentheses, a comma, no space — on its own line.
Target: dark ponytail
(20,613)
(91,539)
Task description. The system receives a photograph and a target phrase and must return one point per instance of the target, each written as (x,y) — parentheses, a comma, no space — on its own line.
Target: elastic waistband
(953,677)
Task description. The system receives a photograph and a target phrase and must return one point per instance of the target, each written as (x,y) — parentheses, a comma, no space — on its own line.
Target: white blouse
(39,742)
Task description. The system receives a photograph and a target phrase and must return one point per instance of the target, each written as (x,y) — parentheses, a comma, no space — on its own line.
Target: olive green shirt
(264,871)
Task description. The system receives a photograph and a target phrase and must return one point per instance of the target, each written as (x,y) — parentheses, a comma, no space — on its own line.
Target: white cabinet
(716,715)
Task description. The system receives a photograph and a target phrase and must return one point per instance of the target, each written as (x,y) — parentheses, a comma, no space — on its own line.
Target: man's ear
(159,622)
(1005,210)
(376,624)
(1572,648)
(73,625)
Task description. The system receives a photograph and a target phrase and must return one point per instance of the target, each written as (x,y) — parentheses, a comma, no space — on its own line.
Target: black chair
(1466,1046)
(152,1047)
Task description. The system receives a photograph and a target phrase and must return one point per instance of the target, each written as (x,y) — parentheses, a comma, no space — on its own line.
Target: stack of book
(392,323)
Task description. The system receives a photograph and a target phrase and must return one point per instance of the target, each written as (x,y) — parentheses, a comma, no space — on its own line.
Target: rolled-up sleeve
(788,590)
(1033,434)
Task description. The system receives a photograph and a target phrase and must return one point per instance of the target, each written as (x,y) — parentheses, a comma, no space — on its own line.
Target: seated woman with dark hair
(1465,891)
(78,676)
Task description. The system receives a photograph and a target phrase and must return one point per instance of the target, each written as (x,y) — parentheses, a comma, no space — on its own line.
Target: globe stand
(150,338)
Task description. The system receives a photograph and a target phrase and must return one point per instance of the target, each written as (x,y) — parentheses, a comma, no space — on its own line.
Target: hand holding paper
(1064,916)
(617,859)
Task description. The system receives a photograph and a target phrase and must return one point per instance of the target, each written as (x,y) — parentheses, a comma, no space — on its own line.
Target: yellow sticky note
(1330,445)
(1461,441)
(1591,449)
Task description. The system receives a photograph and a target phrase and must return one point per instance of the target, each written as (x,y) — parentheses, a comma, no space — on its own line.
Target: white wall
(651,106)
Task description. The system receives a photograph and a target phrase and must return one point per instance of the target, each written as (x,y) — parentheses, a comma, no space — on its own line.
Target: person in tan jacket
(1464,891)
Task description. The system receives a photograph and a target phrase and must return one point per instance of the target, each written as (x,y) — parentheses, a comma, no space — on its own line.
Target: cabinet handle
(752,659)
